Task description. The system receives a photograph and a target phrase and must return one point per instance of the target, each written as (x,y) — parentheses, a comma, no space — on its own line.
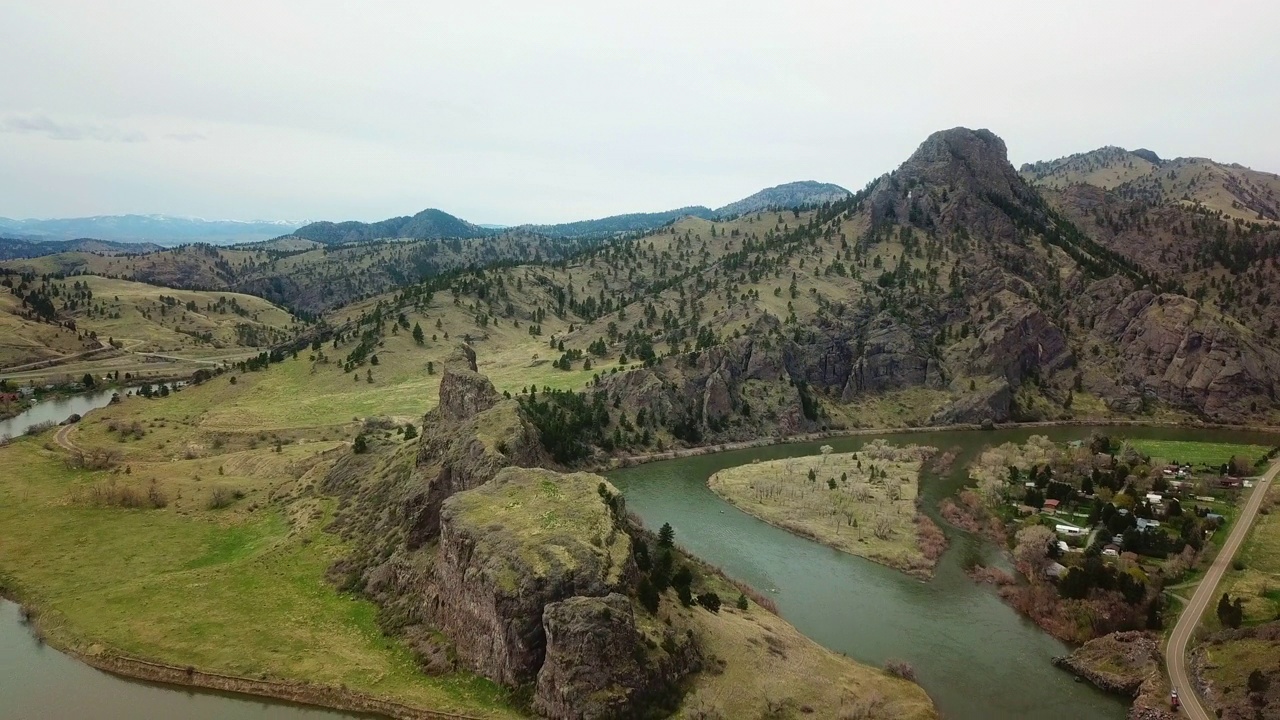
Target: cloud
(186,137)
(53,129)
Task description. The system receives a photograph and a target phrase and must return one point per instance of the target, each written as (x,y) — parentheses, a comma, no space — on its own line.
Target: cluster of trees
(659,574)
(568,422)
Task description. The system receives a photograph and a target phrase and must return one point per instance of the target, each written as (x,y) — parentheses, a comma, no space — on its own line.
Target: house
(1055,570)
(1069,530)
(1228,483)
(1063,546)
(1144,523)
(1050,506)
(1111,551)
(1213,517)
(1117,539)
(1155,498)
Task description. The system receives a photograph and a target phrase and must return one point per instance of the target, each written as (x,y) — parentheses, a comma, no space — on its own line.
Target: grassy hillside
(1230,189)
(99,325)
(219,537)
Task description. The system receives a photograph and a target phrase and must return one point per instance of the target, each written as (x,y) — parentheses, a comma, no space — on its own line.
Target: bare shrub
(933,542)
(40,427)
(113,494)
(94,459)
(222,497)
(866,707)
(901,669)
(156,497)
(701,708)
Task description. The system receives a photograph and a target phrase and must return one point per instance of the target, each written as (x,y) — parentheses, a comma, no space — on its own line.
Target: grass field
(1197,453)
(239,590)
(1258,584)
(862,503)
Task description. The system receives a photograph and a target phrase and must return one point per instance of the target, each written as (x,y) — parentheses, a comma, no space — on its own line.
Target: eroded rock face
(597,665)
(1021,340)
(510,547)
(463,391)
(891,358)
(1186,355)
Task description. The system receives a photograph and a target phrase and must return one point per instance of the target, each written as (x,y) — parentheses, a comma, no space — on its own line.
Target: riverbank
(302,693)
(626,461)
(862,503)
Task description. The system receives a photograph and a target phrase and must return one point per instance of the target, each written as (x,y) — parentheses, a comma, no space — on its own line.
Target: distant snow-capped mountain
(159,229)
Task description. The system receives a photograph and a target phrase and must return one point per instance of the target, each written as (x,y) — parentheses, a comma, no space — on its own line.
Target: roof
(1051,503)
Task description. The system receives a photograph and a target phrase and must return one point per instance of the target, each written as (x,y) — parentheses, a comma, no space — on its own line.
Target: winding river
(975,656)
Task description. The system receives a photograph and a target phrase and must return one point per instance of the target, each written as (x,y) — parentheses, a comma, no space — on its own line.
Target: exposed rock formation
(510,547)
(1172,348)
(598,665)
(1118,663)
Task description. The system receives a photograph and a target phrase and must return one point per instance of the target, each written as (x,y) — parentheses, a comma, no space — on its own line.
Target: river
(975,656)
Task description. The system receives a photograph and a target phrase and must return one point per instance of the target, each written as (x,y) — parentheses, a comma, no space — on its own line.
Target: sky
(514,112)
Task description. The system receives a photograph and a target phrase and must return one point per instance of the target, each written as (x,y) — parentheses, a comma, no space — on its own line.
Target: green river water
(975,656)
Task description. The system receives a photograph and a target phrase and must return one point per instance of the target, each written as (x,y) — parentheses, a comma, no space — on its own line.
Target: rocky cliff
(511,547)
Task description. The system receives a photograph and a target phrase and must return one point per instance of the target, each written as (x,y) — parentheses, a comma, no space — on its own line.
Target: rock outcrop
(1172,348)
(1117,663)
(598,665)
(509,548)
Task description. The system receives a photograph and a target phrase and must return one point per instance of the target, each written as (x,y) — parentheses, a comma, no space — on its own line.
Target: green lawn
(1197,453)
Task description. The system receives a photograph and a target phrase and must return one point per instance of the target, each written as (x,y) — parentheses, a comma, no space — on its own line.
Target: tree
(361,445)
(742,601)
(1031,553)
(648,595)
(826,452)
(1230,614)
(410,432)
(710,601)
(431,368)
(418,337)
(666,536)
(88,380)
(1258,682)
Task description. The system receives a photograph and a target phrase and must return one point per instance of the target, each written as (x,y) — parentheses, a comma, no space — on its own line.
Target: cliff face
(598,665)
(511,547)
(1169,347)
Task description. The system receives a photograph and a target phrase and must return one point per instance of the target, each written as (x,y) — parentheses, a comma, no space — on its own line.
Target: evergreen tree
(418,336)
(666,536)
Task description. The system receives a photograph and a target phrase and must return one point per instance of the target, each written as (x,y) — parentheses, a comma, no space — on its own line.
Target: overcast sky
(509,112)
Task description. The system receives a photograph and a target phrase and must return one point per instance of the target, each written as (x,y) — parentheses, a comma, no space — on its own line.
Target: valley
(354,384)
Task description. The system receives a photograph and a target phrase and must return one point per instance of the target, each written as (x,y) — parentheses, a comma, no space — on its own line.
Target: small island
(862,503)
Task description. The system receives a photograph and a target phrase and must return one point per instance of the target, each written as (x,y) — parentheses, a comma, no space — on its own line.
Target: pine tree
(666,536)
(417,334)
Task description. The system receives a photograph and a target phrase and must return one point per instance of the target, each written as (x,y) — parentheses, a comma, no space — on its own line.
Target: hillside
(947,291)
(11,248)
(305,276)
(60,319)
(616,224)
(789,195)
(1231,189)
(430,224)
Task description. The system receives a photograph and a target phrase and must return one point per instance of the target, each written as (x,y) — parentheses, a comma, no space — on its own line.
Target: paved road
(1205,595)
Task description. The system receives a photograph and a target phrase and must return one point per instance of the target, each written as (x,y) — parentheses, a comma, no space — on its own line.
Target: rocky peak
(954,180)
(463,391)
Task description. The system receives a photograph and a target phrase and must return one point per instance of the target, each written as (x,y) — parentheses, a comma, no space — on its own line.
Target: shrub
(220,498)
(901,669)
(710,601)
(742,601)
